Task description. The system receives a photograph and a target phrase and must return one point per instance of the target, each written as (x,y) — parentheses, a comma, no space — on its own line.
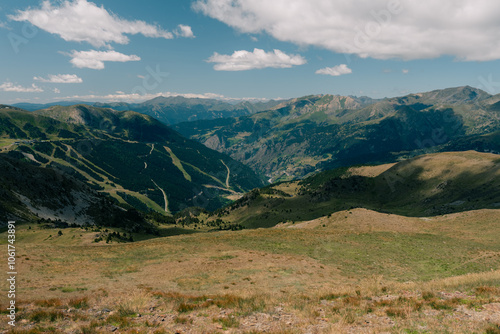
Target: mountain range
(173,109)
(319,132)
(136,162)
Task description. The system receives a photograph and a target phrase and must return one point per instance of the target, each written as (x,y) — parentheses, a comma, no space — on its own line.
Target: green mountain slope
(130,156)
(321,132)
(31,193)
(426,185)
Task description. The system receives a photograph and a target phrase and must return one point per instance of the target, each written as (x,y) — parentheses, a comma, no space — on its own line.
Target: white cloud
(405,71)
(10,87)
(57,91)
(83,21)
(95,59)
(60,78)
(184,31)
(335,71)
(466,29)
(244,60)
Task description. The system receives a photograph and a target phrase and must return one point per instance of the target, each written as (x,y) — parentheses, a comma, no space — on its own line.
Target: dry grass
(53,302)
(284,280)
(340,311)
(82,302)
(369,171)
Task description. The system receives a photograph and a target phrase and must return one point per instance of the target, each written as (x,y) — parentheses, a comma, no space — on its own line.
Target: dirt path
(150,152)
(164,196)
(223,189)
(228,174)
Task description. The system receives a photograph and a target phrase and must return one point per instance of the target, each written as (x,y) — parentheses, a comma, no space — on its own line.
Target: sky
(115,50)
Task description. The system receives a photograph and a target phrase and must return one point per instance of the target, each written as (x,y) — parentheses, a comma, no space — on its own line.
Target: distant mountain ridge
(173,109)
(319,132)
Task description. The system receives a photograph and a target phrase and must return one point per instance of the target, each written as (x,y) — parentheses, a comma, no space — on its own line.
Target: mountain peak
(457,95)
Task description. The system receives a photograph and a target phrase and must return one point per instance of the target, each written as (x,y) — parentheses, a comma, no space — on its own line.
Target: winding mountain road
(228,174)
(164,196)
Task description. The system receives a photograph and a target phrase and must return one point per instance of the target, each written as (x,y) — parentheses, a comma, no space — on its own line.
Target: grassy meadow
(354,271)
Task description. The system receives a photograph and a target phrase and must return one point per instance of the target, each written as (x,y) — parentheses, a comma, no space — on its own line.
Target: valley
(127,226)
(248,167)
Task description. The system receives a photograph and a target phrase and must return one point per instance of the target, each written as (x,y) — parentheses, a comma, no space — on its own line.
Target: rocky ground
(158,312)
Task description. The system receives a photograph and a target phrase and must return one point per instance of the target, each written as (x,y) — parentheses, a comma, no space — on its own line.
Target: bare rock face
(215,143)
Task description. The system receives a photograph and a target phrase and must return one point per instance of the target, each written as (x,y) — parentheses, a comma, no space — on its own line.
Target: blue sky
(134,50)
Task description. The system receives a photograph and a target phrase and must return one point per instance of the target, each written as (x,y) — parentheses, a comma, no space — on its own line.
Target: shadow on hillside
(410,188)
(415,195)
(173,231)
(165,232)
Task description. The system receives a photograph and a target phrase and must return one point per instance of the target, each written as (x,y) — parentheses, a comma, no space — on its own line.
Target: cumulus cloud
(95,59)
(10,87)
(335,71)
(83,21)
(382,29)
(184,31)
(60,78)
(243,60)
